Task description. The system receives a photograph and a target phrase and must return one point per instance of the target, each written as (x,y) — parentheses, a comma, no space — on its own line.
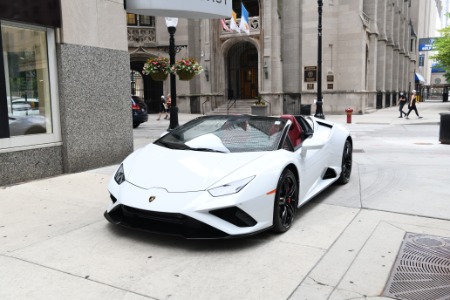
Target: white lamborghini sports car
(229,176)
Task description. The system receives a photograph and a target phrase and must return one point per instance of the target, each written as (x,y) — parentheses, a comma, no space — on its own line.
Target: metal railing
(233,102)
(203,106)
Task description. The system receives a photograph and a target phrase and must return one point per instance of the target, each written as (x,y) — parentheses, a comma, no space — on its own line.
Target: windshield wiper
(172,145)
(205,150)
(179,146)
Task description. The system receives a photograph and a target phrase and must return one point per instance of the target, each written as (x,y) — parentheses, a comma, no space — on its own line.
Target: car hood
(180,171)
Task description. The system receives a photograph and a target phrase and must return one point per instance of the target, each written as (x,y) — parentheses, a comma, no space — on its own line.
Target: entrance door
(243,71)
(249,83)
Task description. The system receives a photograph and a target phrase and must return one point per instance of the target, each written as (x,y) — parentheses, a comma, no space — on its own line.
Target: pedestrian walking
(169,104)
(401,103)
(163,108)
(412,105)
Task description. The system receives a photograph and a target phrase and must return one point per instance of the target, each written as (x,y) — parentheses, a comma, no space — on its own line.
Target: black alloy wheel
(346,163)
(285,204)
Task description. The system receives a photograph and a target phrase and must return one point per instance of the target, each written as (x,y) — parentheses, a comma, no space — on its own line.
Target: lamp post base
(173,118)
(319,110)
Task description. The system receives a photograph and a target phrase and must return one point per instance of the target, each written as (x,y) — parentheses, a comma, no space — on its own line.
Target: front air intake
(235,216)
(329,174)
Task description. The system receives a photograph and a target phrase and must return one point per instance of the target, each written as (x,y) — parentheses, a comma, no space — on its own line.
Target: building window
(421,60)
(28,93)
(412,47)
(140,20)
(132,20)
(252,6)
(146,21)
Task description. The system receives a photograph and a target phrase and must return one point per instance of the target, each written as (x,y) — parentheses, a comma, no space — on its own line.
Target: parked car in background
(139,110)
(25,107)
(22,125)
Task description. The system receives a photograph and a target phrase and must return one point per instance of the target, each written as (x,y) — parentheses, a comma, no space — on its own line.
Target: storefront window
(29,97)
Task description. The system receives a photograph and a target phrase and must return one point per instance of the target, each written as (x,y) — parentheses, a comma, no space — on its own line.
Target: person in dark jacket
(401,103)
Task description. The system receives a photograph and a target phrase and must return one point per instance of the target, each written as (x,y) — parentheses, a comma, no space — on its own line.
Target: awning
(188,9)
(420,78)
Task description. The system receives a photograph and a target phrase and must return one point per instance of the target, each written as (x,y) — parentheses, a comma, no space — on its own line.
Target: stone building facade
(369,55)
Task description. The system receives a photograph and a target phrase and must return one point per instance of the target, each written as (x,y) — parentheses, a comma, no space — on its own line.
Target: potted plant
(259,108)
(157,67)
(187,68)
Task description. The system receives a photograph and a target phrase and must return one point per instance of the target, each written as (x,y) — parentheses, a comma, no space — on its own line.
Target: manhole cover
(421,270)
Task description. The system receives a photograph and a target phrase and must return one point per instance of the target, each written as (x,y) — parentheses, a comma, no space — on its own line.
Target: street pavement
(55,243)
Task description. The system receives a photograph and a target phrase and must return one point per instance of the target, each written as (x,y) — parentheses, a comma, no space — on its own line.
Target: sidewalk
(429,110)
(55,243)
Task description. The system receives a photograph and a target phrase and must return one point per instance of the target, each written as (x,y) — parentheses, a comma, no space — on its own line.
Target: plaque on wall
(310,74)
(310,86)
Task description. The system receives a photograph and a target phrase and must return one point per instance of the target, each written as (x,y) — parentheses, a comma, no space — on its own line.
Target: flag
(233,22)
(224,25)
(244,20)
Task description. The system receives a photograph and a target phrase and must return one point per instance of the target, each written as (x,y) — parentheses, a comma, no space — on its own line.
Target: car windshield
(227,134)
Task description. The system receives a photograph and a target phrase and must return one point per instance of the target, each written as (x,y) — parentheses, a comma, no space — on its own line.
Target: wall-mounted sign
(192,9)
(310,74)
(310,86)
(426,44)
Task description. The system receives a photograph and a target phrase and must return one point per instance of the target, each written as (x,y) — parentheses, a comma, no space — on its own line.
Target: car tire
(346,169)
(285,204)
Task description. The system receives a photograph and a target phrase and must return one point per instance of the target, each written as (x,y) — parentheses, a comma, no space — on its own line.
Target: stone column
(370,8)
(382,48)
(390,48)
(272,45)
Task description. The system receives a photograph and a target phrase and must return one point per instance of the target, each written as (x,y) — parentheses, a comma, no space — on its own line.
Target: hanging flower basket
(159,76)
(187,68)
(185,75)
(157,67)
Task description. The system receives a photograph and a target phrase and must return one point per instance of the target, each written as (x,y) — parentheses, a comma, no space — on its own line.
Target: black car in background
(139,110)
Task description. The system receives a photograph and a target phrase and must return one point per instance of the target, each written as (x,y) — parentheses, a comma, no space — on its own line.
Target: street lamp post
(319,102)
(172,27)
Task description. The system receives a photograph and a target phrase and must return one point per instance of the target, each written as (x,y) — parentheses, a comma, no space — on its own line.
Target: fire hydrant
(349,111)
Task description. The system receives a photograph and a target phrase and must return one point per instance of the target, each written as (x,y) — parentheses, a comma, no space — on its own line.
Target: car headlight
(230,188)
(120,175)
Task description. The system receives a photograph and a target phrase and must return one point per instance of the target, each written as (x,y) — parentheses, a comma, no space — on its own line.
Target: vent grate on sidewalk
(421,270)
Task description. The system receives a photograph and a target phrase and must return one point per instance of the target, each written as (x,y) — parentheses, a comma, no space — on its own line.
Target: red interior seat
(295,132)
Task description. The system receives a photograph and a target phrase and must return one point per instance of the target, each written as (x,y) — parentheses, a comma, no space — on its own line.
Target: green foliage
(442,47)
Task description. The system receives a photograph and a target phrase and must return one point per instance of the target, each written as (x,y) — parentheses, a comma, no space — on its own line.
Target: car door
(313,158)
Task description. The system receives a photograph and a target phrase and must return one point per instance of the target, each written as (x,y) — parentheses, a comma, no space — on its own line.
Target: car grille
(165,223)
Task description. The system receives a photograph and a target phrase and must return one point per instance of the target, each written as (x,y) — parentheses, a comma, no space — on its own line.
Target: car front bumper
(194,215)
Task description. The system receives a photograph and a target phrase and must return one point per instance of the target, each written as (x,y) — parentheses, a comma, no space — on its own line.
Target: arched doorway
(242,64)
(149,89)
